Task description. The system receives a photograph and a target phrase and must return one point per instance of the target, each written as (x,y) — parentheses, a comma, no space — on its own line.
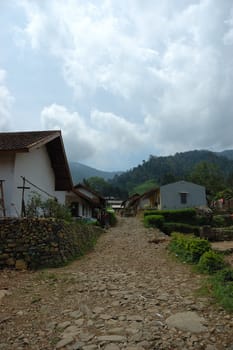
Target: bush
(188,248)
(112,218)
(210,262)
(169,227)
(50,208)
(154,221)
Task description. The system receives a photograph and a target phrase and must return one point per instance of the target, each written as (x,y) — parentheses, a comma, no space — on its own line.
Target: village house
(32,162)
(182,194)
(84,202)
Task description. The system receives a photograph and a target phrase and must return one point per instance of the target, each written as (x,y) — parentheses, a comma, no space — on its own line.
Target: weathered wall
(36,243)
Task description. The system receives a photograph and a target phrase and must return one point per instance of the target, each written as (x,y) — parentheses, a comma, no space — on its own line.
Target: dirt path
(119,296)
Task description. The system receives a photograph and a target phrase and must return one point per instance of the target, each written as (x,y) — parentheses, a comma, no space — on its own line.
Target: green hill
(167,169)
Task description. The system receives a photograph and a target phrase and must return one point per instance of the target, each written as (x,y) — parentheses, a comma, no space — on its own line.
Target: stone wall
(36,243)
(217,233)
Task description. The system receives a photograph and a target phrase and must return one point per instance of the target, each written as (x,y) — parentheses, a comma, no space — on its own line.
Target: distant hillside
(172,168)
(227,153)
(80,171)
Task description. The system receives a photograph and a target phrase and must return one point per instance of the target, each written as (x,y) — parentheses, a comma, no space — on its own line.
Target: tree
(105,188)
(208,175)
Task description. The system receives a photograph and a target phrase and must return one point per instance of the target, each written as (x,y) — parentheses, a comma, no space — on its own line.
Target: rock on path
(126,294)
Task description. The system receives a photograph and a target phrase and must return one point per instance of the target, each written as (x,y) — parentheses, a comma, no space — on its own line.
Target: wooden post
(23,188)
(2,200)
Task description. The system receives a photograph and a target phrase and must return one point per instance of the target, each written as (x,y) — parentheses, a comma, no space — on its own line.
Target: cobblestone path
(125,294)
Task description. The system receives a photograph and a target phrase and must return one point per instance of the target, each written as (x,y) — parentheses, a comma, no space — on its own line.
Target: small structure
(130,205)
(182,194)
(32,161)
(115,204)
(177,195)
(149,199)
(84,202)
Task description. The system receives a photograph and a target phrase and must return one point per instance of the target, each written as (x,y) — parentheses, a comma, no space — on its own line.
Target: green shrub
(210,262)
(179,215)
(169,227)
(154,221)
(188,248)
(112,218)
(203,220)
(50,208)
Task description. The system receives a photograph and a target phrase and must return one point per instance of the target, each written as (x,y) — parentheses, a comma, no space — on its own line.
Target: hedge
(154,221)
(169,227)
(180,215)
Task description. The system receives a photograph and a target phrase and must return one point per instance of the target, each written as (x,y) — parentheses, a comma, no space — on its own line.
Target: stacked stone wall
(217,233)
(36,243)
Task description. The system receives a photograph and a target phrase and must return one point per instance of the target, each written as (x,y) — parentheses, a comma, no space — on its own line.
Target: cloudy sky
(122,79)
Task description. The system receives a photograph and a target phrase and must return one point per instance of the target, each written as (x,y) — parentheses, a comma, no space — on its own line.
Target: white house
(32,162)
(182,194)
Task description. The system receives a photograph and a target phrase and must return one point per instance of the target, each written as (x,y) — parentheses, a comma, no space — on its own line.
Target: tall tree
(208,175)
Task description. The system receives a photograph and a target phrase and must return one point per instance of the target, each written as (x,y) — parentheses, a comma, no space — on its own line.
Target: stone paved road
(126,294)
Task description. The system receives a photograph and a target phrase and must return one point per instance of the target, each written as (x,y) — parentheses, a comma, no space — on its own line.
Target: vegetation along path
(128,293)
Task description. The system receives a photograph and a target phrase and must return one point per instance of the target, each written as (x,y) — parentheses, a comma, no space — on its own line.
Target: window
(183,198)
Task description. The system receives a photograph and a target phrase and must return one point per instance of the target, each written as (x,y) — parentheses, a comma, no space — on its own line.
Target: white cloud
(6,100)
(79,139)
(170,60)
(105,136)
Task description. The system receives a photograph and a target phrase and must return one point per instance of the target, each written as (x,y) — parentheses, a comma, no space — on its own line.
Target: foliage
(36,207)
(218,221)
(179,215)
(210,262)
(181,166)
(188,248)
(144,187)
(169,227)
(154,221)
(227,193)
(209,175)
(54,209)
(105,188)
(112,217)
(195,250)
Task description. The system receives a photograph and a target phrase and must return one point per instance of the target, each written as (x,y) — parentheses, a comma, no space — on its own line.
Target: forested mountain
(227,153)
(181,166)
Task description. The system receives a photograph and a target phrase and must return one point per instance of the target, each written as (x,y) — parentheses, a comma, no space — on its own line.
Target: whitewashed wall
(34,166)
(7,173)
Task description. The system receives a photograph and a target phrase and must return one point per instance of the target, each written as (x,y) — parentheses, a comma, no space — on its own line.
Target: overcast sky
(122,79)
